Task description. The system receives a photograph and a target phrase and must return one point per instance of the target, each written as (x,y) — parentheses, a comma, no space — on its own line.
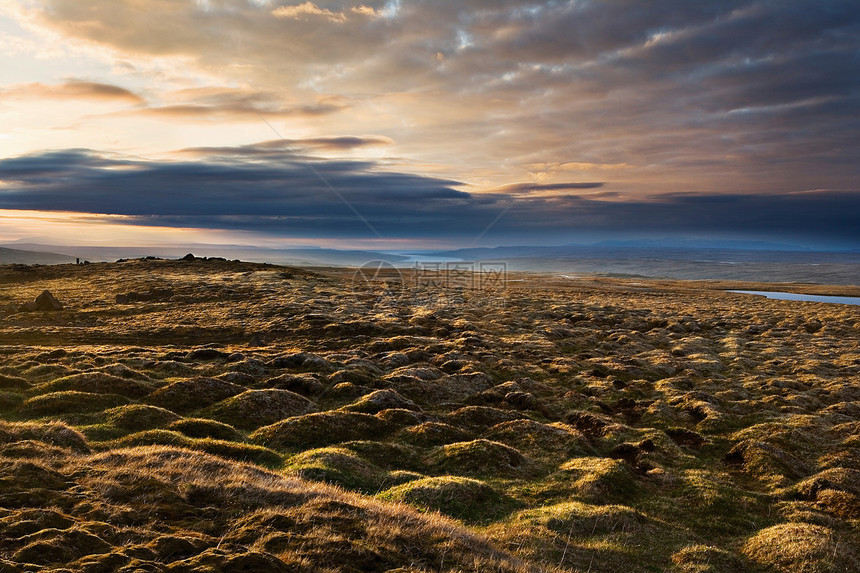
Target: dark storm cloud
(287,197)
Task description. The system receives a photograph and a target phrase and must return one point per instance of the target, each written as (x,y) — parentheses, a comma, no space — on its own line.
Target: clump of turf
(481,458)
(55,434)
(796,547)
(707,559)
(53,546)
(70,401)
(597,479)
(223,448)
(137,417)
(577,519)
(254,408)
(98,383)
(431,434)
(544,440)
(339,466)
(203,428)
(468,499)
(320,429)
(480,418)
(380,400)
(186,396)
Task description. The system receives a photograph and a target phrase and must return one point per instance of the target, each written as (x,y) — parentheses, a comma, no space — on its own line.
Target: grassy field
(208,415)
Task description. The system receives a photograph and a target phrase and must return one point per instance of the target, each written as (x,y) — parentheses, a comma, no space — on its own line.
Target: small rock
(44,301)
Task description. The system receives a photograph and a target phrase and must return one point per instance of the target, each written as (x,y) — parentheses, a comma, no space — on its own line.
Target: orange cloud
(71,89)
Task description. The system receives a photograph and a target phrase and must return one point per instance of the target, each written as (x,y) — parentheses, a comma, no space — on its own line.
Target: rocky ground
(208,415)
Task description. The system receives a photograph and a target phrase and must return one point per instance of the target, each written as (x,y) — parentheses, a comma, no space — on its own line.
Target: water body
(803,297)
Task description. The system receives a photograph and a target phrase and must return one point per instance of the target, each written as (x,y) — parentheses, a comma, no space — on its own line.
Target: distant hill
(18,256)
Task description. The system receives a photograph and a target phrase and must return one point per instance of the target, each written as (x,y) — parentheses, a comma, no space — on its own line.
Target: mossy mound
(304,384)
(464,498)
(801,548)
(55,434)
(70,401)
(401,418)
(57,547)
(481,458)
(223,448)
(320,429)
(707,559)
(21,522)
(581,520)
(13,382)
(835,490)
(481,418)
(597,479)
(138,417)
(380,400)
(254,408)
(768,463)
(97,383)
(540,440)
(203,428)
(336,465)
(10,401)
(186,396)
(431,434)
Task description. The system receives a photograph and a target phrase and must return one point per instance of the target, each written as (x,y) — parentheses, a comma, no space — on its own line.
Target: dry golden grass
(272,419)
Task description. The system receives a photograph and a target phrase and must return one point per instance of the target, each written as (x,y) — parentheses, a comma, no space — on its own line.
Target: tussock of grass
(795,547)
(224,448)
(186,396)
(69,401)
(320,429)
(470,500)
(254,408)
(137,417)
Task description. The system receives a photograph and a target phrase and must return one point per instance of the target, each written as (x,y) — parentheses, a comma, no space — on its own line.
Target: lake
(802,297)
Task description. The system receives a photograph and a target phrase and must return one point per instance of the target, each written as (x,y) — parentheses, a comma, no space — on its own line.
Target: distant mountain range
(18,256)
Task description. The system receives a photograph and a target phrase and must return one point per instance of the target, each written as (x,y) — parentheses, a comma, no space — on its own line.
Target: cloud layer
(284,194)
(719,116)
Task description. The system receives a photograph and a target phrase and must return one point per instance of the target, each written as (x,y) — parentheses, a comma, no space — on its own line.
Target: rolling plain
(212,415)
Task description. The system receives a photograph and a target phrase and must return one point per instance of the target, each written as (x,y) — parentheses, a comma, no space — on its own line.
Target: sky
(410,124)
